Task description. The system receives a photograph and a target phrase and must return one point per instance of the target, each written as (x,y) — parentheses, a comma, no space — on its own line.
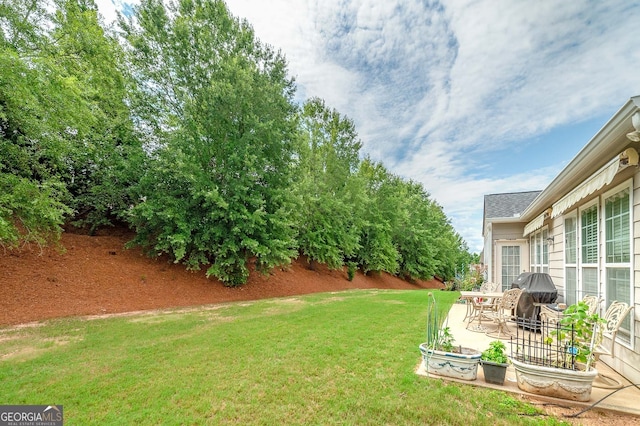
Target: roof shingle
(507,204)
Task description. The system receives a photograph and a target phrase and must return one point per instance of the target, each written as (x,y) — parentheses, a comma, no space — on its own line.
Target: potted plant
(561,364)
(577,334)
(495,362)
(440,355)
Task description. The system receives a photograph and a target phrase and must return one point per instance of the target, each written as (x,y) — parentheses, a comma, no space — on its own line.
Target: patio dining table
(468,297)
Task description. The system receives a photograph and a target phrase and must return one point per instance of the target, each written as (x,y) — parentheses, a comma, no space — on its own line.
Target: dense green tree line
(183,125)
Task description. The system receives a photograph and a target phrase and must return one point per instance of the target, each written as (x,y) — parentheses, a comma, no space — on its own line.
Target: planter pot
(555,382)
(451,364)
(494,372)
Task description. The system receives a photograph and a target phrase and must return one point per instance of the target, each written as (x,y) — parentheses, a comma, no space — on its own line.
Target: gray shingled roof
(507,205)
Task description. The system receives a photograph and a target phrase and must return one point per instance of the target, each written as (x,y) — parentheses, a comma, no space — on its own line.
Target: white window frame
(581,264)
(499,245)
(569,299)
(539,250)
(625,337)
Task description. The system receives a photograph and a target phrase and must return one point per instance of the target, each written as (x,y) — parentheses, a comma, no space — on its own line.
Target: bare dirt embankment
(97,275)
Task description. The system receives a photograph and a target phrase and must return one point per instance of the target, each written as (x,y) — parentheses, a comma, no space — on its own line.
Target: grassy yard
(340,358)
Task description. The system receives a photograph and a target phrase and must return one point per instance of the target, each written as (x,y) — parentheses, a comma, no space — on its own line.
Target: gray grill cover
(537,288)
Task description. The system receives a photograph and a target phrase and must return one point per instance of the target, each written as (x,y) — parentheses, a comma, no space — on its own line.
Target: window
(570,241)
(510,265)
(588,281)
(617,248)
(571,285)
(589,220)
(570,260)
(539,251)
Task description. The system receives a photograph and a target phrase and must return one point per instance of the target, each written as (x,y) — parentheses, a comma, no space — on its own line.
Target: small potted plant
(440,355)
(495,362)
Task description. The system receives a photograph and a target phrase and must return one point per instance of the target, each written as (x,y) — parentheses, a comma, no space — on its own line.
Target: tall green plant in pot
(578,332)
(440,355)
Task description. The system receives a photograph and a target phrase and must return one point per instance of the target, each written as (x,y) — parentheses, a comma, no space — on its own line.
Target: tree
(65,130)
(105,156)
(31,195)
(377,251)
(328,188)
(218,109)
(426,241)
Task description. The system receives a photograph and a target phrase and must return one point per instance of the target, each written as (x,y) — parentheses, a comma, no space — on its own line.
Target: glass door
(509,264)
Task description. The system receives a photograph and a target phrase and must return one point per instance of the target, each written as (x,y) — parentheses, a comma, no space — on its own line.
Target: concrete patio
(626,400)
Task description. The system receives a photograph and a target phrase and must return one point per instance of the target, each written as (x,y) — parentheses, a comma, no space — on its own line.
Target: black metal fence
(547,344)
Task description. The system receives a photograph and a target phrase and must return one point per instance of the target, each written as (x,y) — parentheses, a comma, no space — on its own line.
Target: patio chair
(551,317)
(503,313)
(489,287)
(480,306)
(593,302)
(616,313)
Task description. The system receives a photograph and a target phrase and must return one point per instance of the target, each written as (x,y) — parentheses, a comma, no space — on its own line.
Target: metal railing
(547,344)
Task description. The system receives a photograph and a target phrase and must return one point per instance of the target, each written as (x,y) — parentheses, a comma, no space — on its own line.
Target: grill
(537,288)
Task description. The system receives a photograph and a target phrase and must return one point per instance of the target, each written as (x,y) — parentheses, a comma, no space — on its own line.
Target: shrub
(352,268)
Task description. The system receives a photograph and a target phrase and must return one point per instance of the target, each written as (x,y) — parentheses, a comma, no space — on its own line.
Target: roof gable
(507,205)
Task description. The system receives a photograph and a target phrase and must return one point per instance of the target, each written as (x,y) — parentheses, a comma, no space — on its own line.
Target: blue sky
(468,97)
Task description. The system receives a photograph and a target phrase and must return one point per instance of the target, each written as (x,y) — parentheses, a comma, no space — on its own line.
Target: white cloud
(108,8)
(547,61)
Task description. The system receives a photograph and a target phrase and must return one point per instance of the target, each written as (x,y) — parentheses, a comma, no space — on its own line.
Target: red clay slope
(97,275)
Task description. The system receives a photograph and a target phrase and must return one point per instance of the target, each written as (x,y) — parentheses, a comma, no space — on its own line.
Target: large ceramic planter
(494,372)
(555,382)
(451,364)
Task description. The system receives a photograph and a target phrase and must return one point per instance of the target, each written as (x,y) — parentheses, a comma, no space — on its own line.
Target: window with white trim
(588,278)
(617,250)
(539,251)
(570,260)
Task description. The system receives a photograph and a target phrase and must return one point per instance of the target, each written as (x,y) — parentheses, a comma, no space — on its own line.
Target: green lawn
(332,358)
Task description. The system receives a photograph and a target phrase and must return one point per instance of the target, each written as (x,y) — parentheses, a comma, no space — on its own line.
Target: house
(502,228)
(583,229)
